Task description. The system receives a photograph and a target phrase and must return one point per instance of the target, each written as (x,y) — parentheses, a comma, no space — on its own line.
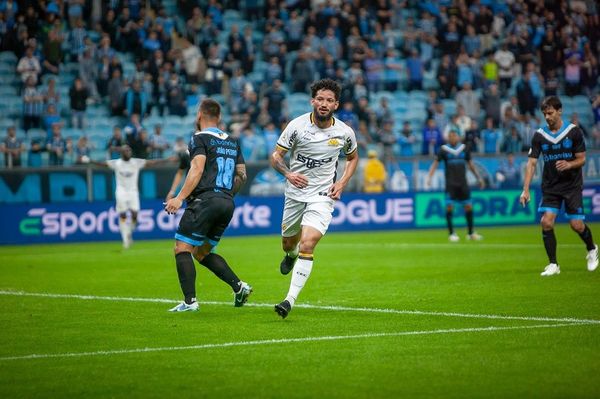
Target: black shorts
(460,193)
(205,219)
(572,200)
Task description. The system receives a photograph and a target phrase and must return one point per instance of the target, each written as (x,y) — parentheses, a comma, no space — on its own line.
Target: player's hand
(297,179)
(524,198)
(563,165)
(427,183)
(173,205)
(170,195)
(335,191)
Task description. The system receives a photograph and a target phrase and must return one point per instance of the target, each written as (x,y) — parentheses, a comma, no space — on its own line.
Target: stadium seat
(8,57)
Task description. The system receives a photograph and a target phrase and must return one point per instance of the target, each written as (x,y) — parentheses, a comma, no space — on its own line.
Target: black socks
(550,244)
(216,264)
(586,236)
(187,275)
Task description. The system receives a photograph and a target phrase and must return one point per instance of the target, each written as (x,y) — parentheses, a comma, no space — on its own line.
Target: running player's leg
(550,206)
(450,197)
(291,233)
(121,208)
(575,214)
(315,223)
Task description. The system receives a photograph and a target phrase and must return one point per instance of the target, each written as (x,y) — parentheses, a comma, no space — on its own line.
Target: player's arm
(432,170)
(191,181)
(101,163)
(154,162)
(473,169)
(578,162)
(278,163)
(529,172)
(335,192)
(240,177)
(176,180)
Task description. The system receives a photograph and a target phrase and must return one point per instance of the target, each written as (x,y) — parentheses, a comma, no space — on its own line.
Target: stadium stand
(180,51)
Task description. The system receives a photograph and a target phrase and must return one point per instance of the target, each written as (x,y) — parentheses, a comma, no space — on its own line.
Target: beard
(321,118)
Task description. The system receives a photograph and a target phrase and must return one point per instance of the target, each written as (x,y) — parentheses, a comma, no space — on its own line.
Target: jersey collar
(312,120)
(558,136)
(453,150)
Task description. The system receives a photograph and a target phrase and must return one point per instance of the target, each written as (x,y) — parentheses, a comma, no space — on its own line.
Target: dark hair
(210,108)
(551,102)
(326,84)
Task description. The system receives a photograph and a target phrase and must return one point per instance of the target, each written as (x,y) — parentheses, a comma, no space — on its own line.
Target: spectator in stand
(116,93)
(491,102)
(491,137)
(393,68)
(140,144)
(573,63)
(29,67)
(33,105)
(253,145)
(446,76)
(275,103)
(12,148)
(513,143)
(525,96)
(506,64)
(590,70)
(79,95)
(115,144)
(52,50)
(34,156)
(83,149)
(406,140)
(176,96)
(469,100)
(51,94)
(490,71)
(88,72)
(374,174)
(271,134)
(136,100)
(302,73)
(509,174)
(158,143)
(374,69)
(432,138)
(387,138)
(383,113)
(49,118)
(348,116)
(415,70)
(214,71)
(57,146)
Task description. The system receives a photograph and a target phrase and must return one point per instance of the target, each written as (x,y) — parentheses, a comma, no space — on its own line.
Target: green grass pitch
(383,315)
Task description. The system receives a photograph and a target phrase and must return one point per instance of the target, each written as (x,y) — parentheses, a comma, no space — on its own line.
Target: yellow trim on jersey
(352,152)
(282,147)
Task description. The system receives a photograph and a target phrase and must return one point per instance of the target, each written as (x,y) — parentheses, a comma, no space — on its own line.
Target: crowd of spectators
(140,61)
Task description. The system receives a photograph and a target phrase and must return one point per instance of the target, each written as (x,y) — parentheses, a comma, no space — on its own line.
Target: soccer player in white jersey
(314,141)
(127,195)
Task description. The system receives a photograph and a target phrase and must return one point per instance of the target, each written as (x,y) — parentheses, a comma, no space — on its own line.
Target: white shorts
(127,201)
(297,214)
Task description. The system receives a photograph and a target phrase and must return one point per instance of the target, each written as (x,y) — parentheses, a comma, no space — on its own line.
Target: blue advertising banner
(98,221)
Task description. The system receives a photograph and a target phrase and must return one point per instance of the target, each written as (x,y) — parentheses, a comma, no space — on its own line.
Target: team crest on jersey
(568,143)
(333,142)
(545,147)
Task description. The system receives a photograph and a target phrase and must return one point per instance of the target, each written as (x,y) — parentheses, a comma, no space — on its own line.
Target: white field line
(282,341)
(309,306)
(469,245)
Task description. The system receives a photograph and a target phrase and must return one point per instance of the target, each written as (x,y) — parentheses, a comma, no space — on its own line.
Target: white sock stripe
(309,306)
(285,340)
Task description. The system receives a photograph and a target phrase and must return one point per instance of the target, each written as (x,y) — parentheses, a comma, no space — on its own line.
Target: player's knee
(288,243)
(547,224)
(577,225)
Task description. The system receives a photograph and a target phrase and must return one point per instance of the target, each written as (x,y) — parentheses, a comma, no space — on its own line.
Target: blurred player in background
(127,195)
(562,146)
(314,140)
(217,172)
(183,156)
(456,157)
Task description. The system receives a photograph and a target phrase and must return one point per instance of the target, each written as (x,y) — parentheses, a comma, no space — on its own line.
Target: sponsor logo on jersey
(333,142)
(313,163)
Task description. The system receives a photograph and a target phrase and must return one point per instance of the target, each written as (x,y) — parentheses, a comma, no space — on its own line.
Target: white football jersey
(314,153)
(126,173)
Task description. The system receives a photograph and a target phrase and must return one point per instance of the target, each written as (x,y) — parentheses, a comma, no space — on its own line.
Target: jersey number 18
(225,173)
